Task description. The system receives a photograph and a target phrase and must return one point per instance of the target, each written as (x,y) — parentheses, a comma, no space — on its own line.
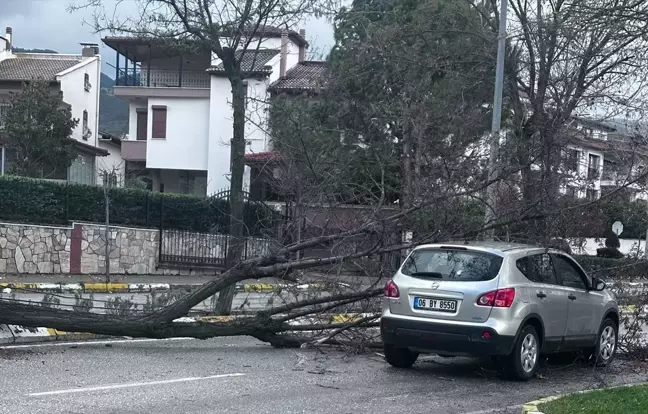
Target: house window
(571,192)
(86,82)
(592,194)
(159,122)
(142,122)
(82,170)
(572,157)
(594,167)
(86,130)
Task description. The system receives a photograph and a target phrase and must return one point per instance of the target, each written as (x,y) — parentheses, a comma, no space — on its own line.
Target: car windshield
(456,265)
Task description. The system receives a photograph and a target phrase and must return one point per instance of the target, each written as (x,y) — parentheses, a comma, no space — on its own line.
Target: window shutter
(142,120)
(159,122)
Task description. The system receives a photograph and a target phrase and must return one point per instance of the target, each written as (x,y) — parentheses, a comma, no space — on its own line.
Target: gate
(205,245)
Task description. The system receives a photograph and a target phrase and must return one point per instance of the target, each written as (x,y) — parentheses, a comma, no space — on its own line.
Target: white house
(602,157)
(180,124)
(77,78)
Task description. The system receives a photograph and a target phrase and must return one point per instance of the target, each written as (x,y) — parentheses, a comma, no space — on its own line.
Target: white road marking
(132,385)
(88,343)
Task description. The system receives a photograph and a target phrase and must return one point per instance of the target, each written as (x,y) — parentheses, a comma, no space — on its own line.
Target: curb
(157,287)
(14,334)
(532,406)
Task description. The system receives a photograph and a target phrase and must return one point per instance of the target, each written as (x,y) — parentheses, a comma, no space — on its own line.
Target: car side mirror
(598,285)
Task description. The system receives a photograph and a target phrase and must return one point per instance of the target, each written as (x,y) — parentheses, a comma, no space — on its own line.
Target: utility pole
(493,171)
(106,183)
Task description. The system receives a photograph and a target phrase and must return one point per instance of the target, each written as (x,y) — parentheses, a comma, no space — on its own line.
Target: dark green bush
(614,269)
(49,202)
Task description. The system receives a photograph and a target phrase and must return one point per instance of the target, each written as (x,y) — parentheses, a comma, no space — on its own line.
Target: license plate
(439,305)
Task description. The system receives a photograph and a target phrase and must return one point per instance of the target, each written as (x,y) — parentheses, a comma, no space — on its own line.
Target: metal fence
(192,249)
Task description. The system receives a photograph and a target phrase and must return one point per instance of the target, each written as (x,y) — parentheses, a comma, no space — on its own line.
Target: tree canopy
(37,129)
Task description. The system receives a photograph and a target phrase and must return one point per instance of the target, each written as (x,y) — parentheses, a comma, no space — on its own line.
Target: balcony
(133,150)
(163,78)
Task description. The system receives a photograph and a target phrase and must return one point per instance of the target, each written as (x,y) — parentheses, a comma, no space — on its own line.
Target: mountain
(23,50)
(113,112)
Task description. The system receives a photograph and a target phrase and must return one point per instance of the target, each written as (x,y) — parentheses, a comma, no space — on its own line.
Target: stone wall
(32,249)
(81,249)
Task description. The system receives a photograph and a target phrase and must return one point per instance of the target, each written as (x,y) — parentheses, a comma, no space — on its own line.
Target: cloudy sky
(47,24)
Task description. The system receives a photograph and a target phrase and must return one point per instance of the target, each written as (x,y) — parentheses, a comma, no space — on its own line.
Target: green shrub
(614,269)
(50,202)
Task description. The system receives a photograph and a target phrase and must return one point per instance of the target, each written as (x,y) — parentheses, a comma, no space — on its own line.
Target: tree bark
(236,199)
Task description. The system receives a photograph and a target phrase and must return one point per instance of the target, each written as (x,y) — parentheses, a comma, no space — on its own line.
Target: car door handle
(541,295)
(571,297)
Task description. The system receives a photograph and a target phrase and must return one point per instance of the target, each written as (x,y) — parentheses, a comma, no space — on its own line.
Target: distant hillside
(113,112)
(23,50)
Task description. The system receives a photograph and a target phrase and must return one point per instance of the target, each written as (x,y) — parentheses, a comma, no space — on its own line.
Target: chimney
(89,50)
(302,48)
(8,36)
(283,56)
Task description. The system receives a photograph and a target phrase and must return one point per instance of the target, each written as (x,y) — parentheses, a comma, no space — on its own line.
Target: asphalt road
(238,375)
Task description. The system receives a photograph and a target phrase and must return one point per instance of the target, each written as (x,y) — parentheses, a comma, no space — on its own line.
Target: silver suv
(511,301)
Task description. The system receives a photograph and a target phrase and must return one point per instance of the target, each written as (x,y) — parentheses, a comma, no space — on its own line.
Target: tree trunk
(236,201)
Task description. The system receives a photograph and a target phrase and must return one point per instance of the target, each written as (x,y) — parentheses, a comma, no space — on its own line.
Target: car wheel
(523,362)
(605,349)
(400,357)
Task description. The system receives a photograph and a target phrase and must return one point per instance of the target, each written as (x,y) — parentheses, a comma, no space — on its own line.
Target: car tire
(523,362)
(603,353)
(400,357)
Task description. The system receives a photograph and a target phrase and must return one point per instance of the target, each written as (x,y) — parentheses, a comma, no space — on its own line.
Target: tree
(396,102)
(565,59)
(411,80)
(38,127)
(232,31)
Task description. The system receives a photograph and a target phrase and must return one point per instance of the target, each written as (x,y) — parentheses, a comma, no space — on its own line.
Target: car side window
(538,268)
(570,275)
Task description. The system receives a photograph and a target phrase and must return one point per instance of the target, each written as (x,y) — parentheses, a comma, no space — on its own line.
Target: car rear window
(457,265)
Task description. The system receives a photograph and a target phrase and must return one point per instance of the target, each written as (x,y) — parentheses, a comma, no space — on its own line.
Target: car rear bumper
(444,338)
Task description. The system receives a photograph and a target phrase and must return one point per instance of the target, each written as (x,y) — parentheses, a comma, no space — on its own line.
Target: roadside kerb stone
(532,407)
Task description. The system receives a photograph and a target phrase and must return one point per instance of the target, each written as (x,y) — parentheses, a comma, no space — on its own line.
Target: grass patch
(628,400)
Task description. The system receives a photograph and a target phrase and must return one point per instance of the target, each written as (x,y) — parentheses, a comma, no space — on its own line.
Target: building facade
(180,113)
(77,79)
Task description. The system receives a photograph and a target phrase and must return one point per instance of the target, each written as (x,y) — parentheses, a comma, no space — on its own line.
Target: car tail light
(391,290)
(501,298)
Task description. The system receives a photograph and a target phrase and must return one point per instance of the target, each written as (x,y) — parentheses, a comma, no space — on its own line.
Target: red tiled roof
(252,61)
(22,68)
(262,156)
(307,75)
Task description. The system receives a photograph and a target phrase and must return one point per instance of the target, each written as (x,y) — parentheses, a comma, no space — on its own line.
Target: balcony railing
(133,150)
(162,78)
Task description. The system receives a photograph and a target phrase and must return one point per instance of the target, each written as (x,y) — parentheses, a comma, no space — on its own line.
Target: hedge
(50,202)
(614,269)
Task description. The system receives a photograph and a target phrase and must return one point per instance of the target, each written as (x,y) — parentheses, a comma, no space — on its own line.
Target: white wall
(588,246)
(220,134)
(185,146)
(256,128)
(74,94)
(111,163)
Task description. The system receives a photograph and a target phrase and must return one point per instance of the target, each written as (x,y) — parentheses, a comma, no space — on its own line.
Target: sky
(47,24)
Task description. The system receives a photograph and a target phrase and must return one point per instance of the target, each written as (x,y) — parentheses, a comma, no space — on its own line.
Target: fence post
(161,229)
(67,202)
